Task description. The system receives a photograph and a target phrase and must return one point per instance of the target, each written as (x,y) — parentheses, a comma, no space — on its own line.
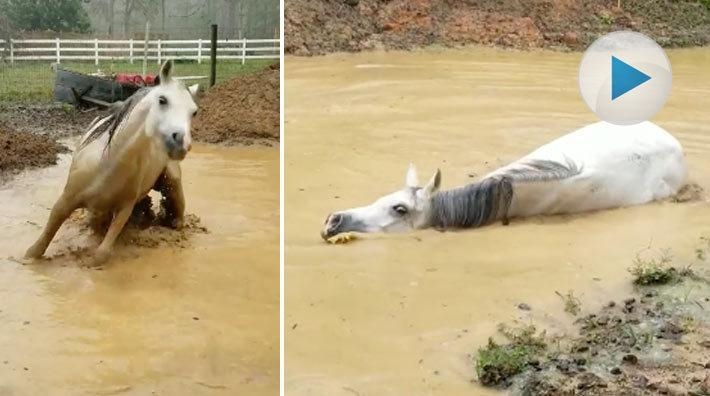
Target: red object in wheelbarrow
(135,79)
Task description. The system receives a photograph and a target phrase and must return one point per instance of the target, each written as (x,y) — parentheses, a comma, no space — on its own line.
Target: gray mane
(484,202)
(111,123)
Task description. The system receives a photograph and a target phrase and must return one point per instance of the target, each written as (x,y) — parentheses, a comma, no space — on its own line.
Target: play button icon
(625,77)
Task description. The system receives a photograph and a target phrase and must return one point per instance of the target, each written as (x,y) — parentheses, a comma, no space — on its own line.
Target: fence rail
(60,50)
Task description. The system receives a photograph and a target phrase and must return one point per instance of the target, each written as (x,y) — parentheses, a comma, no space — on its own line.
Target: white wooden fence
(59,50)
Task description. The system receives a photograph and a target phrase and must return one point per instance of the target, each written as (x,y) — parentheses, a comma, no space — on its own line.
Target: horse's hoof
(100,257)
(33,252)
(177,224)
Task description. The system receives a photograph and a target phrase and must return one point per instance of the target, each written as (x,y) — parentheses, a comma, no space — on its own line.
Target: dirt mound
(20,150)
(243,110)
(315,27)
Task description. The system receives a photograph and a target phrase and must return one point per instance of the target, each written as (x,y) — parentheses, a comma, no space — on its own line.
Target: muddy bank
(656,340)
(20,150)
(315,27)
(56,120)
(242,110)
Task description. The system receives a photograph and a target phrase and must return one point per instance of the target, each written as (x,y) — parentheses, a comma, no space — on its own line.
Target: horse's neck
(131,138)
(474,205)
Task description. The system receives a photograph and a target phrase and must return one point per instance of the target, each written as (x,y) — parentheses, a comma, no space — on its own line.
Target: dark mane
(489,200)
(111,123)
(473,205)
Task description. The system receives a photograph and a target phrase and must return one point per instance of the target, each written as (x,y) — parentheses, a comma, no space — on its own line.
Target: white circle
(641,54)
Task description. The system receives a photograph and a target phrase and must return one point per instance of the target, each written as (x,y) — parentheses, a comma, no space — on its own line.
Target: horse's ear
(433,185)
(194,88)
(411,180)
(166,71)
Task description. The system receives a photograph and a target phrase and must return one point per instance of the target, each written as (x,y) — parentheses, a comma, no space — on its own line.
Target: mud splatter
(691,192)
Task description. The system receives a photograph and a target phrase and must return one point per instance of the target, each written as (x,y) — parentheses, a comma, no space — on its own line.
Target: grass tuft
(654,271)
(497,363)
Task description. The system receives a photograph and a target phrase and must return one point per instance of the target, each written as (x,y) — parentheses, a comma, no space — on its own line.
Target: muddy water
(399,314)
(201,319)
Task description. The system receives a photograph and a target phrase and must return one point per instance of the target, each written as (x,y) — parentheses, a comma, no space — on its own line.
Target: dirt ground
(22,150)
(243,110)
(316,27)
(656,341)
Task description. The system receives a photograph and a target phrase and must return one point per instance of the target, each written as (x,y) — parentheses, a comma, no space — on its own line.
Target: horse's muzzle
(177,154)
(332,226)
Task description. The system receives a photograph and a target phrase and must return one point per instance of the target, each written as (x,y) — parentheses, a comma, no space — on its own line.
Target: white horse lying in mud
(123,156)
(599,166)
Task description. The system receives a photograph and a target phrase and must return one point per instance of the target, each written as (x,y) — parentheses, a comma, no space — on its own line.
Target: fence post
(213,55)
(59,57)
(130,51)
(12,51)
(145,47)
(244,50)
(159,54)
(96,51)
(199,50)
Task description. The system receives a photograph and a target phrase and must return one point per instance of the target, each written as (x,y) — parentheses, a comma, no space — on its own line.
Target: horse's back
(619,166)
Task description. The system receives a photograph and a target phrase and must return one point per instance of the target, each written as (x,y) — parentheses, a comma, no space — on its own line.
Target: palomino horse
(599,166)
(122,156)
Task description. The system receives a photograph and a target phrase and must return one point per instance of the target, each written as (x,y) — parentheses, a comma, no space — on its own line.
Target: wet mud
(189,311)
(654,340)
(402,313)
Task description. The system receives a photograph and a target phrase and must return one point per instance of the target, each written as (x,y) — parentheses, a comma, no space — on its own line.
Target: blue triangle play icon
(624,77)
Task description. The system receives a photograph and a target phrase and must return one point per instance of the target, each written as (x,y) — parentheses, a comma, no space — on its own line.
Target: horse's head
(402,210)
(171,109)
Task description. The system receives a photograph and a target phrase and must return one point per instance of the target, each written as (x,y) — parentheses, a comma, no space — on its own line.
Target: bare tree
(128,6)
(111,8)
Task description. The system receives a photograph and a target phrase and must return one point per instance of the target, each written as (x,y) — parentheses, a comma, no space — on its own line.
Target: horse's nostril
(335,219)
(177,137)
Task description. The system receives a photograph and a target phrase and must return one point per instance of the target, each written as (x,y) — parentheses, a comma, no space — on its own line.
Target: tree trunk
(127,11)
(162,16)
(232,17)
(111,4)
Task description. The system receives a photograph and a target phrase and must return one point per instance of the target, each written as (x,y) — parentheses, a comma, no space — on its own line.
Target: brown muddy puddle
(195,315)
(399,314)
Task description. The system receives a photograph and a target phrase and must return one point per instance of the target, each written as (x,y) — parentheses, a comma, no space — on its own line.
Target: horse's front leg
(173,203)
(119,220)
(61,210)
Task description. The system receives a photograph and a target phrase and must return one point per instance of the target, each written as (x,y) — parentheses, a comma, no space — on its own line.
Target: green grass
(497,363)
(653,271)
(34,81)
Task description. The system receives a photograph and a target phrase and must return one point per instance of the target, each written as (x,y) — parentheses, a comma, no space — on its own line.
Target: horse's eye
(162,100)
(194,113)
(400,209)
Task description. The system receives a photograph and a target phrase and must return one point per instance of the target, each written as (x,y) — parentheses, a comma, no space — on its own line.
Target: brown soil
(55,120)
(656,341)
(691,192)
(243,110)
(140,231)
(315,27)
(22,150)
